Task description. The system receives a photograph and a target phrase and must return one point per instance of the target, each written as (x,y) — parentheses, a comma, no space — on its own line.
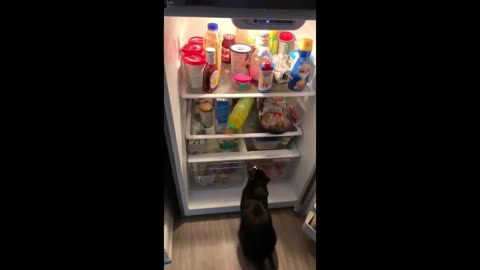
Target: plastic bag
(274,115)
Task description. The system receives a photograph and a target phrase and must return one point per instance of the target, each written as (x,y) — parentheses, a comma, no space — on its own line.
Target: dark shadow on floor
(247,265)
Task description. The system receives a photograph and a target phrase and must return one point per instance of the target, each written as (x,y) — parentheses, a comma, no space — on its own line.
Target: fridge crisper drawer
(275,169)
(217,174)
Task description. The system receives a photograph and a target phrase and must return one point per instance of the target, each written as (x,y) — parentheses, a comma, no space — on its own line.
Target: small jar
(285,43)
(228,41)
(241,82)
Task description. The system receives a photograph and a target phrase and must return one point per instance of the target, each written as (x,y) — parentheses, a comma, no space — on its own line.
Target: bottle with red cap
(265,78)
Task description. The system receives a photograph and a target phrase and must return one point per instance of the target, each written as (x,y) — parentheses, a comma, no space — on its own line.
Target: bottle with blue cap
(213,39)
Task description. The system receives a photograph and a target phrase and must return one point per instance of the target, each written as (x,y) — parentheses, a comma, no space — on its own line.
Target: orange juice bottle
(213,39)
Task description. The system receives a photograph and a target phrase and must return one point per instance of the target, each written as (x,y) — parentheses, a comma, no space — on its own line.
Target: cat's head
(257,176)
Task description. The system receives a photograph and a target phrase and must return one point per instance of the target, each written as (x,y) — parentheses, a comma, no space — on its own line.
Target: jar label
(225,54)
(214,79)
(265,80)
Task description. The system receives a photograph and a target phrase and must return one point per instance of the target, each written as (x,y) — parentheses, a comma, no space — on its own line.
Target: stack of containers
(193,59)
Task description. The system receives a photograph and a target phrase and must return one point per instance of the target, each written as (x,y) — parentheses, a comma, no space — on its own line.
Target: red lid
(192,48)
(286,36)
(241,78)
(194,59)
(228,37)
(196,40)
(267,65)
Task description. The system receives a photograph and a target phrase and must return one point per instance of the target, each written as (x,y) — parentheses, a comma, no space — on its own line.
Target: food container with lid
(192,48)
(239,55)
(196,40)
(285,42)
(267,143)
(194,64)
(241,82)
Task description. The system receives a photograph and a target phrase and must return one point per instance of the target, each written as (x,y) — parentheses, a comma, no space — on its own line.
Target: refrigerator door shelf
(226,90)
(191,136)
(244,154)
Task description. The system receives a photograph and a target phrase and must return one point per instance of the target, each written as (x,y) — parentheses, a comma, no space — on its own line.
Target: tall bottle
(213,39)
(240,113)
(273,42)
(302,67)
(211,75)
(260,55)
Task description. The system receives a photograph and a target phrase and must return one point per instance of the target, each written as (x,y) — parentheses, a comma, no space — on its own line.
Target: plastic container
(241,82)
(228,41)
(240,112)
(194,64)
(239,55)
(196,40)
(285,42)
(267,143)
(213,39)
(192,48)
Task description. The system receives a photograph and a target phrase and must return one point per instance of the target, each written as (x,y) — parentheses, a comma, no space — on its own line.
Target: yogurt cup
(241,82)
(239,54)
(194,64)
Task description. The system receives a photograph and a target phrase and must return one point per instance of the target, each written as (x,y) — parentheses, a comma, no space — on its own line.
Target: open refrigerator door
(210,162)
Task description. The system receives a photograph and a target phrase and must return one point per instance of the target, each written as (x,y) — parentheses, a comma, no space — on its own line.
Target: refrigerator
(209,182)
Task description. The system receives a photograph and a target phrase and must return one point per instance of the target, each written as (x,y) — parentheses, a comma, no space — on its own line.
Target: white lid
(210,55)
(240,48)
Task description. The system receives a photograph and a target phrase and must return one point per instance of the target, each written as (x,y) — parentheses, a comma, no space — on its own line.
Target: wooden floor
(211,243)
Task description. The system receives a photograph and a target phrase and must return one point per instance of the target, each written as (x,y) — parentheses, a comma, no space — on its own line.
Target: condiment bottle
(266,77)
(211,75)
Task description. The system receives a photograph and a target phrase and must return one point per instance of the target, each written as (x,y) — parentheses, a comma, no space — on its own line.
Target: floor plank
(210,242)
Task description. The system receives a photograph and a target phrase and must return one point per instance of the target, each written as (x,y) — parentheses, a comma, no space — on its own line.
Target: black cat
(257,235)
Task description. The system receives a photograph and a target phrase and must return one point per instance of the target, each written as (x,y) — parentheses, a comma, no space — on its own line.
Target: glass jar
(228,41)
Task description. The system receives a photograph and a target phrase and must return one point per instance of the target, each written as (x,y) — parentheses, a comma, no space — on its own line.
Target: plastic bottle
(266,77)
(211,75)
(274,42)
(213,39)
(240,112)
(302,66)
(260,55)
